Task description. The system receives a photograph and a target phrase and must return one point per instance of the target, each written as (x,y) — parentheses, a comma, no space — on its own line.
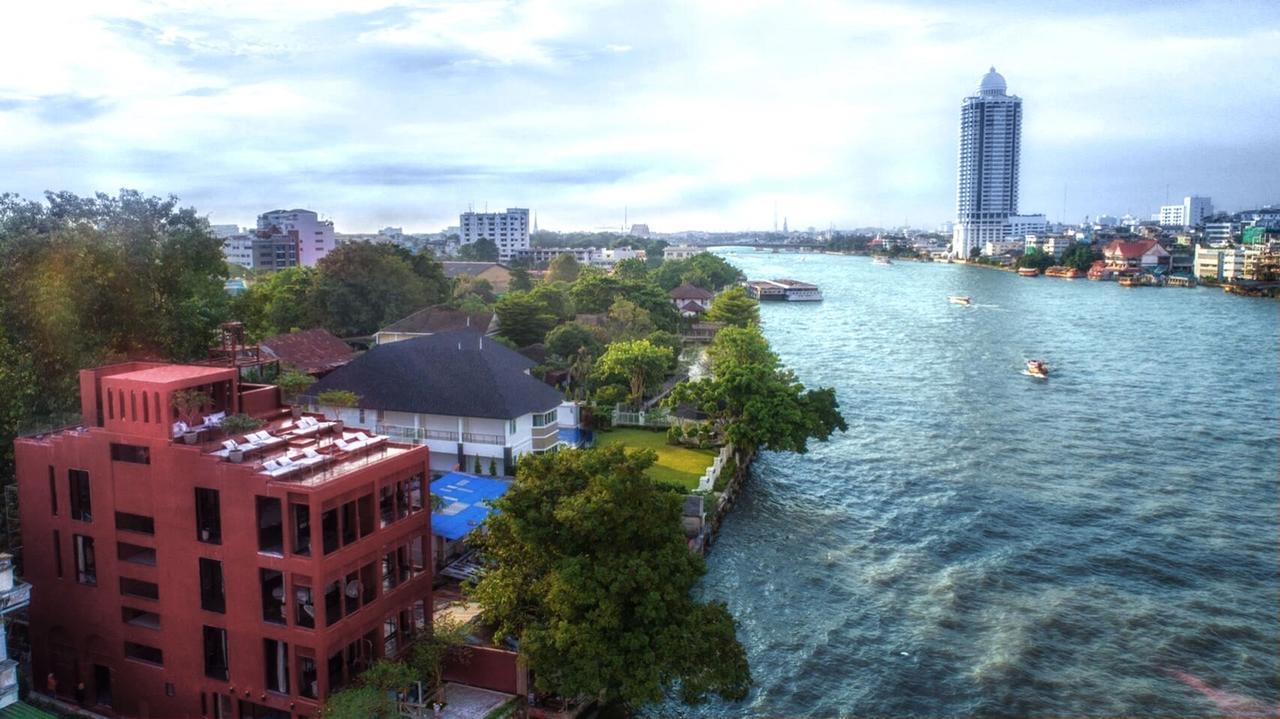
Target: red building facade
(173,581)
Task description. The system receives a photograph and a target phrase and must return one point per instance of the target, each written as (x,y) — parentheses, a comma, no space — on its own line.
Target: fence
(707,481)
(651,418)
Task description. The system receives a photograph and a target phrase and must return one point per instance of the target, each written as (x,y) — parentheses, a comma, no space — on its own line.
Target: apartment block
(509,230)
(178,571)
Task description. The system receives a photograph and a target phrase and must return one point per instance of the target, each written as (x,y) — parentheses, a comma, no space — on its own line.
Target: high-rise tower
(987,182)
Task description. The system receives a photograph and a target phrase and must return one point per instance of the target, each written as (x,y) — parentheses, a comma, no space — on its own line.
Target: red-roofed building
(314,351)
(691,300)
(1131,257)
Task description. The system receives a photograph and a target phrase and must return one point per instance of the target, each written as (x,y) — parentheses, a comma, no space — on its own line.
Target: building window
(365,505)
(272,585)
(387,504)
(333,603)
(213,593)
(389,636)
(144,653)
(57,552)
(138,588)
(208,516)
(545,419)
(215,653)
(415,493)
(276,660)
(127,522)
(511,426)
(308,680)
(351,591)
(86,562)
(301,529)
(81,503)
(132,453)
(350,530)
(402,500)
(53,492)
(139,618)
(135,554)
(304,608)
(329,530)
(270,526)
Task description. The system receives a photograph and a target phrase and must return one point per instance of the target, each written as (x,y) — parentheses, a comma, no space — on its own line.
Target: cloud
(838,111)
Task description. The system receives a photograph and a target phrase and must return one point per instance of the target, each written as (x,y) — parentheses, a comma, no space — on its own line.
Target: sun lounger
(311,458)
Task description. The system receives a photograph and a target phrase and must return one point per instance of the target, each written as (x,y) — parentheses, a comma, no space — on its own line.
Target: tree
(762,407)
(482,250)
(373,696)
(520,280)
(523,319)
(337,400)
(465,286)
(556,297)
(740,345)
(362,286)
(282,302)
(593,577)
(1037,258)
(567,339)
(1080,256)
(639,363)
(428,268)
(628,321)
(293,383)
(671,341)
(563,268)
(189,404)
(734,307)
(632,268)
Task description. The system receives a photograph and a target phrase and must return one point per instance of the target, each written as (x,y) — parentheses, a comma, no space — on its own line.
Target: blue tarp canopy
(466,498)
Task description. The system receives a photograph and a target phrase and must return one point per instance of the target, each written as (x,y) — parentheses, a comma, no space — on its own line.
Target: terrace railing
(480,438)
(415,434)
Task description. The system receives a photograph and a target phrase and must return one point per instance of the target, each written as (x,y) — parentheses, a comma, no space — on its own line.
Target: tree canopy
(362,286)
(482,250)
(1080,255)
(639,363)
(523,319)
(734,307)
(563,268)
(593,577)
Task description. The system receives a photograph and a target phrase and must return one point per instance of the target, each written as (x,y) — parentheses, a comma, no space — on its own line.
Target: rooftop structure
(785,290)
(225,575)
(497,275)
(312,351)
(434,320)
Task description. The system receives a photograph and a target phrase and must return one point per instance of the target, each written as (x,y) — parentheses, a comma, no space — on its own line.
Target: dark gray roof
(441,319)
(454,268)
(452,373)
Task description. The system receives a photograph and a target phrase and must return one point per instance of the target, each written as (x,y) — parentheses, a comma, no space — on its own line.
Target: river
(983,542)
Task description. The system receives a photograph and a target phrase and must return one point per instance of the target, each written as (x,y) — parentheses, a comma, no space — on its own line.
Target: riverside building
(214,575)
(987,182)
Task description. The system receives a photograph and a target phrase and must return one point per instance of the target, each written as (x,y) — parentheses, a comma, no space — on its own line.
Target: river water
(983,542)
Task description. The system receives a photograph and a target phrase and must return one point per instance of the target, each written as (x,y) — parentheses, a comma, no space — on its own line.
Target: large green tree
(639,363)
(523,319)
(740,345)
(482,250)
(592,576)
(281,302)
(563,268)
(363,286)
(567,339)
(1080,255)
(734,307)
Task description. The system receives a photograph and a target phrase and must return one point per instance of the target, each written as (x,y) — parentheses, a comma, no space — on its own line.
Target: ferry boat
(1037,368)
(1029,271)
(959,299)
(1069,273)
(784,290)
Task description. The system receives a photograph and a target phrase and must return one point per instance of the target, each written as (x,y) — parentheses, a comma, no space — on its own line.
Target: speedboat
(959,299)
(1037,368)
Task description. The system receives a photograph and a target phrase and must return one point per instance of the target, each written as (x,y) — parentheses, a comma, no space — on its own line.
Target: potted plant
(337,400)
(189,404)
(292,384)
(238,424)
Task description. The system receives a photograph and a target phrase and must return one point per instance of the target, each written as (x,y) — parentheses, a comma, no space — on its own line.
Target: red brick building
(212,580)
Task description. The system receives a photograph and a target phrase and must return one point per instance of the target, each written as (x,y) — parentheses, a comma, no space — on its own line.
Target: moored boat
(1029,271)
(881,260)
(959,299)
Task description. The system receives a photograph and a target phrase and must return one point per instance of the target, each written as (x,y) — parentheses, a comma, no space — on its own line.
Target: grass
(681,466)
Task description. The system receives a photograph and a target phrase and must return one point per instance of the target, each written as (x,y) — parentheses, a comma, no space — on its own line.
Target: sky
(682,115)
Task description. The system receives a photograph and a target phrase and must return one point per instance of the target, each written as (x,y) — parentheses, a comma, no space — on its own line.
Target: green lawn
(676,465)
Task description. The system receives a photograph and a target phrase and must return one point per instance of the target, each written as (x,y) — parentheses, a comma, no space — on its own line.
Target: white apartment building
(987,180)
(609,257)
(993,248)
(509,230)
(222,232)
(543,255)
(238,249)
(681,252)
(1023,225)
(1221,233)
(1219,263)
(315,237)
(1190,213)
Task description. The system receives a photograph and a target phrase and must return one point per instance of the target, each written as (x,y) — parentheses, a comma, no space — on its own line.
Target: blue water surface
(983,542)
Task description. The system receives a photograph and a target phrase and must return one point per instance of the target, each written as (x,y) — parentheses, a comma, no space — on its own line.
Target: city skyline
(703,117)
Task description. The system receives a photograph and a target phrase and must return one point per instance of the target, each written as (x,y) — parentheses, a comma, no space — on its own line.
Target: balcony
(16,598)
(479,438)
(415,434)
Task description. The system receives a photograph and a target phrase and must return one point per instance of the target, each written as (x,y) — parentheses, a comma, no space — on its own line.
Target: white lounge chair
(311,458)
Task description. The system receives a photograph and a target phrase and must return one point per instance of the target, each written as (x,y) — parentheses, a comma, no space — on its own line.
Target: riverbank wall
(741,466)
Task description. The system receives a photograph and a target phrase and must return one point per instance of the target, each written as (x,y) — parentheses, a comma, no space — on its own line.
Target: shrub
(240,424)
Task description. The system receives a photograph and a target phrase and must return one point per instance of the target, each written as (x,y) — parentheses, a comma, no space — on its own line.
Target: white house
(462,394)
(681,252)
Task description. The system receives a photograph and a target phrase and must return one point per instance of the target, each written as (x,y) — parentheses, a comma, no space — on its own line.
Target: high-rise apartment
(987,186)
(1190,213)
(184,572)
(508,230)
(314,236)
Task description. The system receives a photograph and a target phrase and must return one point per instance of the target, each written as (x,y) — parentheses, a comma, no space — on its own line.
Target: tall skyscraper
(987,185)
